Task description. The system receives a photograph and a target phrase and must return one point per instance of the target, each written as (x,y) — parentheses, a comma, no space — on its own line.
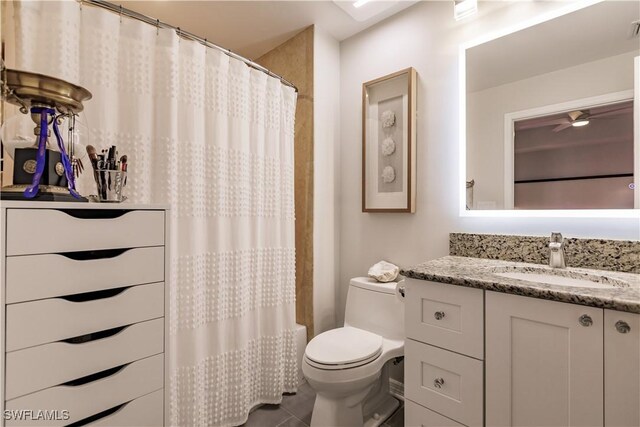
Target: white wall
(426,37)
(326,181)
(486,110)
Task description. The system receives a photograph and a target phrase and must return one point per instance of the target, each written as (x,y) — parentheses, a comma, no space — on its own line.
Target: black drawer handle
(92,255)
(95,213)
(94,336)
(99,415)
(94,377)
(95,295)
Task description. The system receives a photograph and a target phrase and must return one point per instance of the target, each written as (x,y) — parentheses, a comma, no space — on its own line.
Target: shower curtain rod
(122,11)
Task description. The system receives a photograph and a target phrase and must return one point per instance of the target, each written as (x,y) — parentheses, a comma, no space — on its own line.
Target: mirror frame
(462,148)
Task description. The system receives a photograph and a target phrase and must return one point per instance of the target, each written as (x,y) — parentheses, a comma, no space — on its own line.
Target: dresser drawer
(36,368)
(445,382)
(446,316)
(145,411)
(419,416)
(44,276)
(84,400)
(37,231)
(44,321)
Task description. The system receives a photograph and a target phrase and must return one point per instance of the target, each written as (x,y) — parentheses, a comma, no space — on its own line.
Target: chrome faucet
(556,251)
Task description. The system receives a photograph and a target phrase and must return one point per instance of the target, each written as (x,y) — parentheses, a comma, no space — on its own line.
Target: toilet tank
(374,307)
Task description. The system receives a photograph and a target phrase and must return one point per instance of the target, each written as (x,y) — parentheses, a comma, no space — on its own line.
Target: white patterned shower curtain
(213,139)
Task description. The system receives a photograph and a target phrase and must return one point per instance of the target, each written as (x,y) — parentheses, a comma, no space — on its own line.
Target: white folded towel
(384,271)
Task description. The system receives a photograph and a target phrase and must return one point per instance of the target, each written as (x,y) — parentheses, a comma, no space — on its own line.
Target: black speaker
(24,167)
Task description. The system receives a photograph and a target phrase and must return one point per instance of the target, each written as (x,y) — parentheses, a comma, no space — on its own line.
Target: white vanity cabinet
(544,362)
(621,368)
(83,325)
(508,360)
(444,353)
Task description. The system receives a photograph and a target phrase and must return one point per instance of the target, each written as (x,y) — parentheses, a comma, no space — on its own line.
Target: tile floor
(295,411)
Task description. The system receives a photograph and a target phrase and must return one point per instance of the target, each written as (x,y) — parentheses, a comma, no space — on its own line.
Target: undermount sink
(560,277)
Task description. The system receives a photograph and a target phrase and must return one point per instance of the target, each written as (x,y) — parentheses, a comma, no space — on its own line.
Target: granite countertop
(624,295)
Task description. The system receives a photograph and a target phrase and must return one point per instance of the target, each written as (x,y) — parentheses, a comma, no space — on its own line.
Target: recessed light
(360,3)
(464,8)
(364,10)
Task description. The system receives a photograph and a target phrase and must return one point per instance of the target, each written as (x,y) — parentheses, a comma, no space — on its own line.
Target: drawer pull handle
(98,416)
(439,315)
(95,213)
(95,295)
(91,255)
(438,382)
(93,336)
(585,320)
(622,327)
(94,377)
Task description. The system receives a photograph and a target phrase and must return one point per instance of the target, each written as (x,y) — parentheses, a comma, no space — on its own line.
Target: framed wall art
(389,143)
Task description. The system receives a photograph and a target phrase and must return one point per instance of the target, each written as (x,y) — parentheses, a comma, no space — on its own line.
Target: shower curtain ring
(121,14)
(157,27)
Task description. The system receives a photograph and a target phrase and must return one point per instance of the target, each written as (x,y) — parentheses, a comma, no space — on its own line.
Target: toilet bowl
(348,366)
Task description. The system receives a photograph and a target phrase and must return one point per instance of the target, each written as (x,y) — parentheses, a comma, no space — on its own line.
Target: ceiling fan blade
(612,113)
(575,114)
(538,124)
(562,127)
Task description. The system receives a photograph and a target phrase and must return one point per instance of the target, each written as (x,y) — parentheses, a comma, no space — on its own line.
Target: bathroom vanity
(490,343)
(83,314)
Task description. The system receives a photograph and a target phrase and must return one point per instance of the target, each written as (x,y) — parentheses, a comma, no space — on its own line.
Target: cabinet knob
(439,315)
(438,382)
(585,320)
(622,327)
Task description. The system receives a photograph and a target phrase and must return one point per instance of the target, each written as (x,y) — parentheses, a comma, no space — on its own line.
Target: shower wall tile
(602,254)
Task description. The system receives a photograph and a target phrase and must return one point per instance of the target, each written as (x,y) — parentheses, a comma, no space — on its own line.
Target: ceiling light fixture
(463,8)
(579,118)
(360,3)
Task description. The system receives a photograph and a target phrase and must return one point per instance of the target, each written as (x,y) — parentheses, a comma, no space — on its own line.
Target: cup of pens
(110,174)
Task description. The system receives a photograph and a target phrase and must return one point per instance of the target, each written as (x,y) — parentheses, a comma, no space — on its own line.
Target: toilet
(348,367)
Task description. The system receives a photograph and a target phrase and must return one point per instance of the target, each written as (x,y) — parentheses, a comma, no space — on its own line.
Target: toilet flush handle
(401,291)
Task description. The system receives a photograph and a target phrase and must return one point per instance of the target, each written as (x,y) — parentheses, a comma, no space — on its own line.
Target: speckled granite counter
(603,254)
(481,273)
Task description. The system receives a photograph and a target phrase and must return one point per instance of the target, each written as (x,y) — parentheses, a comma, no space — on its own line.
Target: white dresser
(83,323)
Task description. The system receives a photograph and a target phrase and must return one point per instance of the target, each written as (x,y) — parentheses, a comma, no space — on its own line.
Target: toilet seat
(343,348)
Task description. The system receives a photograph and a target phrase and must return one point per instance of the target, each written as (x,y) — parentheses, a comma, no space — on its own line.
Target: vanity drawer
(145,411)
(447,316)
(84,400)
(38,231)
(36,368)
(44,276)
(43,321)
(445,382)
(419,416)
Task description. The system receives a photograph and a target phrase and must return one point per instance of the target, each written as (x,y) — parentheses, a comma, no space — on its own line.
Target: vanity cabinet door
(544,362)
(621,368)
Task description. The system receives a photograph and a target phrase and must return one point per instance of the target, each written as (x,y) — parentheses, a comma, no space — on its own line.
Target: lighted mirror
(550,114)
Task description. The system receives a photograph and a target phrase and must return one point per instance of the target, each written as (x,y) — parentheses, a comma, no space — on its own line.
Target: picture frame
(389,143)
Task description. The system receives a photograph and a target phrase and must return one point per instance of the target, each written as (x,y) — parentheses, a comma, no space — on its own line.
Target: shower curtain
(213,139)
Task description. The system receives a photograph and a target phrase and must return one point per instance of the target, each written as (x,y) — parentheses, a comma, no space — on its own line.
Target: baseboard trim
(396,389)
